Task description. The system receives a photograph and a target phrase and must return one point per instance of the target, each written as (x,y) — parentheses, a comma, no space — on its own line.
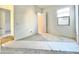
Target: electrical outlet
(31,31)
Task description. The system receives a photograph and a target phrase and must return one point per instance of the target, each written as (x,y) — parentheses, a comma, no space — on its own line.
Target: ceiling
(46,6)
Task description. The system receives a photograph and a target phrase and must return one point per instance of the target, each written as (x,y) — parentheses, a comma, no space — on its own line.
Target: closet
(4,22)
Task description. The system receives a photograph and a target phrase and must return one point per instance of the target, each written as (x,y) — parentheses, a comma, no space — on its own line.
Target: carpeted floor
(41,44)
(47,37)
(32,51)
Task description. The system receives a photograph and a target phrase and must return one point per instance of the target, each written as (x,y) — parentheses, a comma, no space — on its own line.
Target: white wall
(25,21)
(53,28)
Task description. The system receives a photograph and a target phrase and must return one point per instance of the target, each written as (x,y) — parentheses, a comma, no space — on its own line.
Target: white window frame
(63,16)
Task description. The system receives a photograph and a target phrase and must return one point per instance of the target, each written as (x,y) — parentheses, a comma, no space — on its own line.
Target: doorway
(41,22)
(5,27)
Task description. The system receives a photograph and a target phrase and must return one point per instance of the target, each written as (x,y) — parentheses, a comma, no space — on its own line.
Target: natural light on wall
(63,12)
(63,16)
(41,23)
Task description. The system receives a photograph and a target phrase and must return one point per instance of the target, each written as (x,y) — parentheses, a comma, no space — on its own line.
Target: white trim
(76,16)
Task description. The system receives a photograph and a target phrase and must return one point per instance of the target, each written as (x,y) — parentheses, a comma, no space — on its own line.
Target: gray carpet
(38,37)
(47,37)
(31,51)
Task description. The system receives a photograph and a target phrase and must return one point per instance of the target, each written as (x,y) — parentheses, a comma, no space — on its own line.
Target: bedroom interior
(46,29)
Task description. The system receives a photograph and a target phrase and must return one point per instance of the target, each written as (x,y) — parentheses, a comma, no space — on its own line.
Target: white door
(41,22)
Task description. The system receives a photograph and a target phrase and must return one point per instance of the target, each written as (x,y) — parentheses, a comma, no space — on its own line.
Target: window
(63,16)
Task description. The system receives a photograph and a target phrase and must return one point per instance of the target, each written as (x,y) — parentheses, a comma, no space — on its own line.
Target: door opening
(5,27)
(41,23)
